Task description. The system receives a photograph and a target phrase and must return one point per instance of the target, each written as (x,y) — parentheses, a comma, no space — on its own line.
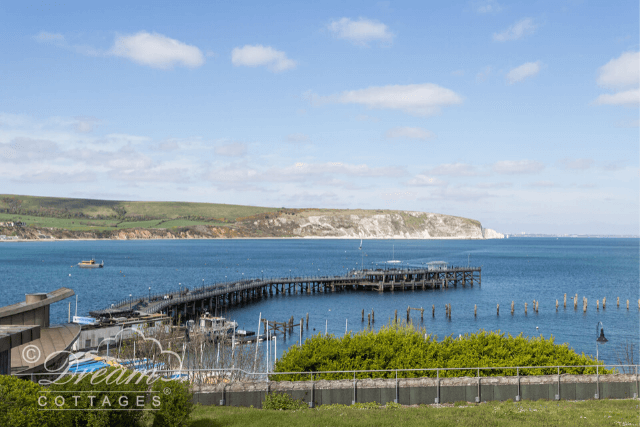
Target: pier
(188,304)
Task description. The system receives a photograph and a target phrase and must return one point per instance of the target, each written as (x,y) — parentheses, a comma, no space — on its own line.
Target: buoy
(69,274)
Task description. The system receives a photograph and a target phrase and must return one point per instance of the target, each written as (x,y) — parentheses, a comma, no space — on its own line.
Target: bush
(19,404)
(175,403)
(282,402)
(108,394)
(402,347)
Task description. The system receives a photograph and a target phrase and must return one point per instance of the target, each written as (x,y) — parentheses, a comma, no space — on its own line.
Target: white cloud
(511,167)
(235,149)
(418,99)
(360,32)
(528,69)
(301,170)
(422,180)
(577,164)
(543,184)
(85,124)
(627,97)
(453,169)
(156,50)
(54,177)
(488,6)
(520,29)
(622,72)
(409,133)
(484,74)
(50,38)
(254,56)
(297,137)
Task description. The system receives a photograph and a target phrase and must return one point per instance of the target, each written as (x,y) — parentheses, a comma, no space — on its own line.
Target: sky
(522,115)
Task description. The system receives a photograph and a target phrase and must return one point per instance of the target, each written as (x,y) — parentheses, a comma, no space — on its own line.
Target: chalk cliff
(303,223)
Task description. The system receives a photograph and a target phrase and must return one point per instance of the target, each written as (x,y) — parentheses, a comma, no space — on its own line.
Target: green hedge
(402,347)
(118,401)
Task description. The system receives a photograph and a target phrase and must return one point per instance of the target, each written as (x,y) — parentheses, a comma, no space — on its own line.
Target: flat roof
(22,306)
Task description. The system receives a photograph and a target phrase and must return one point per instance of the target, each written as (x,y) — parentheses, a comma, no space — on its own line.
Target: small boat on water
(90,264)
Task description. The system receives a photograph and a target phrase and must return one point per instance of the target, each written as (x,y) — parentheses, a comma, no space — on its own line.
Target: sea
(518,269)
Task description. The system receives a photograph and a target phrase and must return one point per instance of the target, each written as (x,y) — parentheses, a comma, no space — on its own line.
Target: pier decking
(212,298)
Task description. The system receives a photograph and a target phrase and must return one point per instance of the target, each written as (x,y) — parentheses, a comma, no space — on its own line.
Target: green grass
(165,210)
(67,224)
(539,413)
(187,223)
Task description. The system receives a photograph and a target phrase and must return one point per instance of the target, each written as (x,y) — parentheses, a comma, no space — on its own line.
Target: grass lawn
(527,413)
(63,223)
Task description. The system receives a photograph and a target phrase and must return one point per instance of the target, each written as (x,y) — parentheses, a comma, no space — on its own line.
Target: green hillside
(112,210)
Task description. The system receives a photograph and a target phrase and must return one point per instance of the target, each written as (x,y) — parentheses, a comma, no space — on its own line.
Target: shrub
(403,347)
(19,404)
(282,402)
(175,403)
(108,394)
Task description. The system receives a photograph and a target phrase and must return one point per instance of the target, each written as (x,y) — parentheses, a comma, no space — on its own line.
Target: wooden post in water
(512,308)
(450,309)
(597,304)
(618,302)
(525,308)
(396,317)
(475,310)
(369,319)
(498,310)
(557,305)
(627,304)
(565,300)
(604,303)
(584,308)
(373,316)
(421,313)
(537,306)
(407,314)
(575,302)
(433,309)
(307,320)
(363,314)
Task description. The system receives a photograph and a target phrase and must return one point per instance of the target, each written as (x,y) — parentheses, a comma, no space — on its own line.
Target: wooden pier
(214,298)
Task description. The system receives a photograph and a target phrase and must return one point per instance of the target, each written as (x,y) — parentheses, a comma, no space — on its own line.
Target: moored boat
(90,264)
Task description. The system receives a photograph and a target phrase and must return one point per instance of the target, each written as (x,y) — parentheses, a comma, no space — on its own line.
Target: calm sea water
(519,270)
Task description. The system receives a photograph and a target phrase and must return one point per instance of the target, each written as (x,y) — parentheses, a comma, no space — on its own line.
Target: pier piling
(565,300)
(363,314)
(475,310)
(618,302)
(597,304)
(557,305)
(627,304)
(512,306)
(396,317)
(575,302)
(604,303)
(525,308)
(498,310)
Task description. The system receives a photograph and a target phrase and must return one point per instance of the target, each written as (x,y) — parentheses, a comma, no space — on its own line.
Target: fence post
(353,402)
(597,396)
(558,395)
(478,396)
(311,403)
(437,386)
(636,393)
(518,377)
(397,397)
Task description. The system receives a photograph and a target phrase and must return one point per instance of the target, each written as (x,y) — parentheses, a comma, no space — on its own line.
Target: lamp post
(129,302)
(601,339)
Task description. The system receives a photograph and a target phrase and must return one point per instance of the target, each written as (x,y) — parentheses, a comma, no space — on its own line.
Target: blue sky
(523,115)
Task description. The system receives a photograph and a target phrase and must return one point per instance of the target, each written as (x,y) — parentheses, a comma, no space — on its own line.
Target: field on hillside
(160,210)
